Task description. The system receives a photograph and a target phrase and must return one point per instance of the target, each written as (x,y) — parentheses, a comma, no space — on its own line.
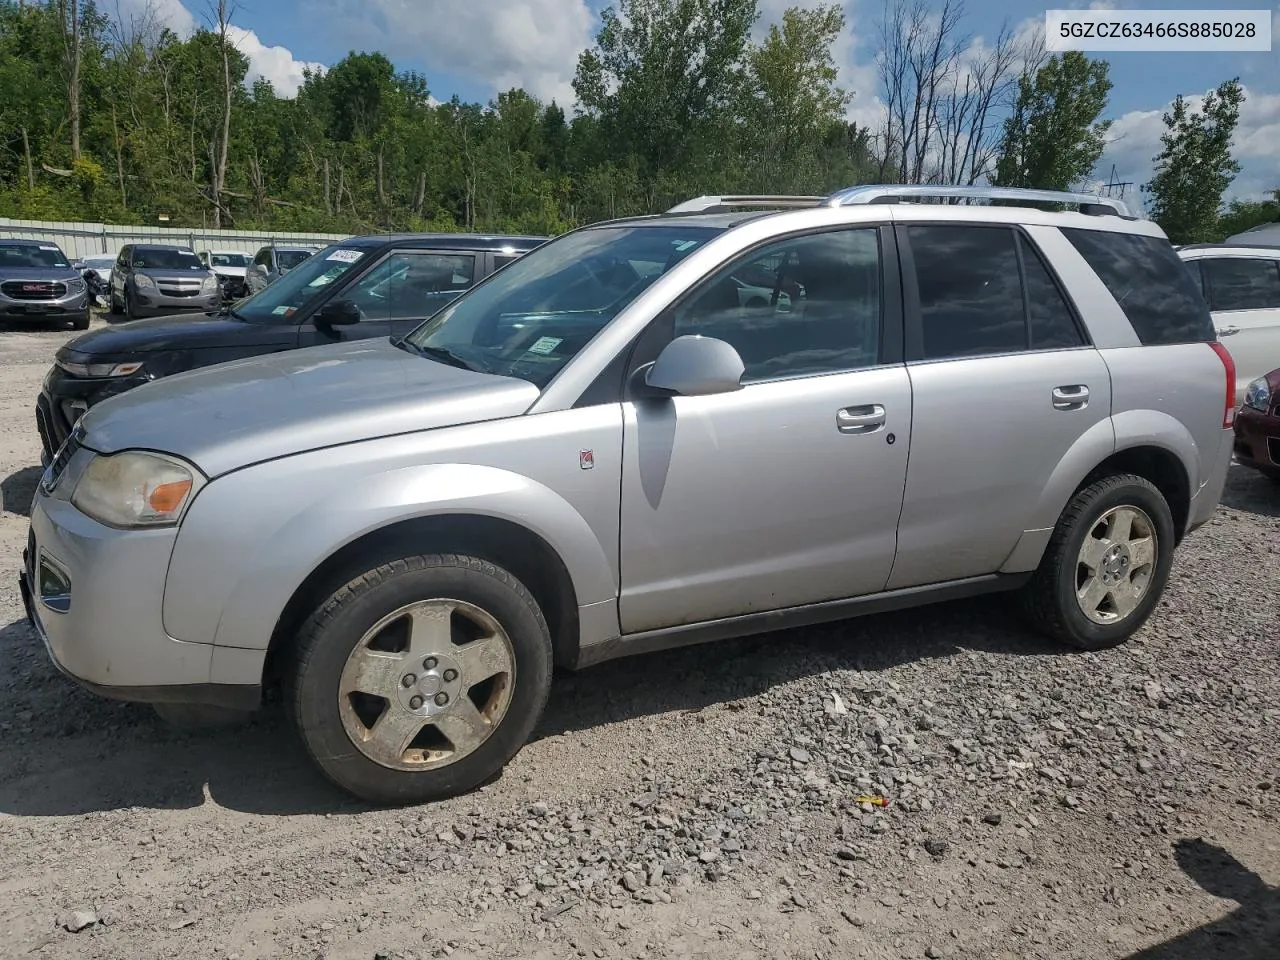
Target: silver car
(601,450)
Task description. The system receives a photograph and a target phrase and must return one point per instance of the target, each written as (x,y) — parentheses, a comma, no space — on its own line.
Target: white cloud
(274,63)
(1135,140)
(497,44)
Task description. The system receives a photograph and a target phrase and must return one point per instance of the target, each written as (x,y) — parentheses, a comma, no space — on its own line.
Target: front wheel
(421,678)
(128,306)
(1106,564)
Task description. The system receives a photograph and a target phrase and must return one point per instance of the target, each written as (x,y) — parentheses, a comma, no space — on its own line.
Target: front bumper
(152,303)
(94,595)
(74,307)
(1257,439)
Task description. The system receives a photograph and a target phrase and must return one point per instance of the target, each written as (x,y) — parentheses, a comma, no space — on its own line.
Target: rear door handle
(1074,397)
(1228,331)
(867,418)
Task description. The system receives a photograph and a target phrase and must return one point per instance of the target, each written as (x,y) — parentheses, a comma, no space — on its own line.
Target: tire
(128,306)
(199,716)
(80,323)
(1050,601)
(368,622)
(113,306)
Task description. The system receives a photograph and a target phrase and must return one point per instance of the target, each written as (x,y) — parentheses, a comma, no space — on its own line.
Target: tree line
(124,122)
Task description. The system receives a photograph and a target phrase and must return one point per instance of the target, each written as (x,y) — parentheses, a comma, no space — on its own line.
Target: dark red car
(1258,426)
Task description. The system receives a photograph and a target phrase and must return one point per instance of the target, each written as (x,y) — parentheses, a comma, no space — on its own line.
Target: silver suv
(603,449)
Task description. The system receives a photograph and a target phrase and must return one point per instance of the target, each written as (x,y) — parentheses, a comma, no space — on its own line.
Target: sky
(477,48)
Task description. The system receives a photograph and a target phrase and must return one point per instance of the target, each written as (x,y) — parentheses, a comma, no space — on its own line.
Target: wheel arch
(525,554)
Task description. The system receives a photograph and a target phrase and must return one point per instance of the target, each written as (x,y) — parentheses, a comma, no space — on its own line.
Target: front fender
(251,538)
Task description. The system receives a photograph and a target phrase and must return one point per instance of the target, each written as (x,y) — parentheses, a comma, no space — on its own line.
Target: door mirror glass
(693,366)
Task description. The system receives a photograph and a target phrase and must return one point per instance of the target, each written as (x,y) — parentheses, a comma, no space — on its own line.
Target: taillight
(1229,414)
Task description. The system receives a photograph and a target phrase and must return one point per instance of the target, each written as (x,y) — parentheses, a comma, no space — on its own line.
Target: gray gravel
(698,803)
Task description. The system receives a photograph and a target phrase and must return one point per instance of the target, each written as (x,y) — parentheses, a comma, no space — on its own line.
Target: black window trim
(1207,283)
(913,318)
(612,384)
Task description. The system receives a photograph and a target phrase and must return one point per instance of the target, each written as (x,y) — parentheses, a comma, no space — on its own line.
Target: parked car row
(499,455)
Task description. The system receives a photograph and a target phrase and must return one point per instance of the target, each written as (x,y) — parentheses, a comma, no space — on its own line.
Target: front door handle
(1074,397)
(867,418)
(1228,331)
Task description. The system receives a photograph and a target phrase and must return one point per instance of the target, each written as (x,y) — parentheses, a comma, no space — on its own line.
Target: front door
(401,291)
(786,492)
(1003,385)
(1244,296)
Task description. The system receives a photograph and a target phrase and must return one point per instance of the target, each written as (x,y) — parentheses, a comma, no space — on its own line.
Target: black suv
(360,288)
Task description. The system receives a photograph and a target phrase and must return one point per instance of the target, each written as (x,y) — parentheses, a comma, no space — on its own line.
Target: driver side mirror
(337,313)
(693,366)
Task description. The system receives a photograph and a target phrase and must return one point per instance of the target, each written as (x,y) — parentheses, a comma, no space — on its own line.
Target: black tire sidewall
(1096,636)
(315,687)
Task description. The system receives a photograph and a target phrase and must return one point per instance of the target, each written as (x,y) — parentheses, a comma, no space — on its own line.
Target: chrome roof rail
(895,193)
(712,204)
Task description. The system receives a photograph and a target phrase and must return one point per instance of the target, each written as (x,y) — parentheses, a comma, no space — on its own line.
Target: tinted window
(803,306)
(263,258)
(501,261)
(412,285)
(279,301)
(1242,284)
(970,297)
(35,255)
(1148,280)
(161,258)
(534,316)
(1052,325)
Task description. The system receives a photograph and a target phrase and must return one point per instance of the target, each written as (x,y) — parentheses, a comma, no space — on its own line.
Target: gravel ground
(700,803)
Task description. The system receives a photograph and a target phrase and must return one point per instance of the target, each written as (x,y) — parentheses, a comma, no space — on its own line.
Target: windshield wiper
(443,354)
(233,314)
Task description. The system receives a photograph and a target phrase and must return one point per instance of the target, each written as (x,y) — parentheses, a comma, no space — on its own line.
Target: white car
(100,264)
(1241,283)
(230,266)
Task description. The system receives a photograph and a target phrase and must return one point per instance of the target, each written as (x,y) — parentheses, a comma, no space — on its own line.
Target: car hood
(186,332)
(232,415)
(229,271)
(46,274)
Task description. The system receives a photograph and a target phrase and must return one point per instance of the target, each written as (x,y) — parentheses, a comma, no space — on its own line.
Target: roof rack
(711,204)
(895,193)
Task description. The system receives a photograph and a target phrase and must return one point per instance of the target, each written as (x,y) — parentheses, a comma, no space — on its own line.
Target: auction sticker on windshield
(545,345)
(345,256)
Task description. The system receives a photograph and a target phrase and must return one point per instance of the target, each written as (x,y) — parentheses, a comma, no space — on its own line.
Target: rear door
(1003,383)
(1244,298)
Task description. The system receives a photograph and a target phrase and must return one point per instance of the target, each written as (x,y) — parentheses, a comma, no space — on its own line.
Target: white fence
(91,239)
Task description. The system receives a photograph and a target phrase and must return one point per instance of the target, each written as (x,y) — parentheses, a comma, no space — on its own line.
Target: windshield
(159,258)
(291,258)
(229,259)
(298,288)
(531,318)
(31,255)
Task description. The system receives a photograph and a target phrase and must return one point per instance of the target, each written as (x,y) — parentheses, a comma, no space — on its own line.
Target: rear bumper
(1205,500)
(94,594)
(1257,440)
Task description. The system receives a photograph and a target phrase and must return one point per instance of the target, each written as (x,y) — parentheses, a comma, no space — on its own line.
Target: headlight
(75,286)
(142,281)
(210,284)
(100,371)
(136,489)
(1258,395)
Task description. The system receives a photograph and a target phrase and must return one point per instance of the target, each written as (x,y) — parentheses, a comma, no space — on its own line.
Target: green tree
(1052,136)
(792,101)
(1241,215)
(1195,167)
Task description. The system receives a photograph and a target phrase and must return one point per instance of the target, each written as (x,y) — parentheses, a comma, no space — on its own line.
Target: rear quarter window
(1154,288)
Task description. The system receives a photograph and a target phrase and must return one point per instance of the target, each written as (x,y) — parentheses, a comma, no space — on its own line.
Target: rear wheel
(113,305)
(1106,565)
(421,678)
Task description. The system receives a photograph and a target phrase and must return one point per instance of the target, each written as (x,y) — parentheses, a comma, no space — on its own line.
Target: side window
(970,295)
(803,306)
(122,259)
(1157,293)
(412,285)
(1240,283)
(501,261)
(1052,324)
